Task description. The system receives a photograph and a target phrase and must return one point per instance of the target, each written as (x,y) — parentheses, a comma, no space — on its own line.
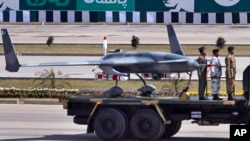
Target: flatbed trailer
(151,118)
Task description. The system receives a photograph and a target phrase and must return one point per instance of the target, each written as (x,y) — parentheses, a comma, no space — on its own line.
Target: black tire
(172,129)
(110,124)
(80,120)
(146,125)
(127,133)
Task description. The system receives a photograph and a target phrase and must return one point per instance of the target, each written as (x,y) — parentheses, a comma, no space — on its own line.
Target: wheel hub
(145,125)
(108,125)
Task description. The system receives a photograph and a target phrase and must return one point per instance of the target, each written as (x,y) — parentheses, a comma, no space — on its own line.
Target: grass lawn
(126,85)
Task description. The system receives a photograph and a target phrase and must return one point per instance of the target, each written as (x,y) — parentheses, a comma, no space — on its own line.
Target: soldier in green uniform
(202,73)
(230,63)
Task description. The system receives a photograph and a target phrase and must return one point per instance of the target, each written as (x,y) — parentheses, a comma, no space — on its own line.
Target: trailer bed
(138,100)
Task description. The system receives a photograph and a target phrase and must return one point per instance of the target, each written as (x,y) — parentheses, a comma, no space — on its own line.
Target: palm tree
(48,79)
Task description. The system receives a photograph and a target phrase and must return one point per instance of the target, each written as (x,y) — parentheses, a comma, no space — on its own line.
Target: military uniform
(202,74)
(230,63)
(215,73)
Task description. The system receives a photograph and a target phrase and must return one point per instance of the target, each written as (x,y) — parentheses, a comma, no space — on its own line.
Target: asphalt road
(86,71)
(51,123)
(122,34)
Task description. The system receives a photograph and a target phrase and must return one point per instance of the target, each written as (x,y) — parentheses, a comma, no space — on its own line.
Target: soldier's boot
(202,97)
(216,97)
(230,96)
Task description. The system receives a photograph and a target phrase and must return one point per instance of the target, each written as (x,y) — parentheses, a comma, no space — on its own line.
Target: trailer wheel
(110,124)
(172,129)
(146,125)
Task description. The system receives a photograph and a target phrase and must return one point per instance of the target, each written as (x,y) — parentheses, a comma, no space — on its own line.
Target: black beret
(201,48)
(215,50)
(230,48)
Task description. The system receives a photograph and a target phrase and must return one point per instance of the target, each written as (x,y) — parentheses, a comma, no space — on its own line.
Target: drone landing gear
(146,90)
(115,92)
(189,80)
(183,95)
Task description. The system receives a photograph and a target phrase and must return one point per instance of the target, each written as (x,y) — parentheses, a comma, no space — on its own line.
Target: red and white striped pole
(105,45)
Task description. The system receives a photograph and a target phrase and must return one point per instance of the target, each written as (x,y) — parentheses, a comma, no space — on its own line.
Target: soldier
(215,73)
(230,62)
(202,73)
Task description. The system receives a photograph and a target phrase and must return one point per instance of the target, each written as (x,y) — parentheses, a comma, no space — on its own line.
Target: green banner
(106,5)
(203,6)
(47,4)
(222,5)
(193,5)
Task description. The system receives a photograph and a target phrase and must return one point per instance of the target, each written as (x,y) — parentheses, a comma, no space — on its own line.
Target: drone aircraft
(100,76)
(120,63)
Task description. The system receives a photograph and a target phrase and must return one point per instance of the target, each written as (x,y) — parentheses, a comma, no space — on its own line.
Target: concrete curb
(60,54)
(98,54)
(9,101)
(30,101)
(42,101)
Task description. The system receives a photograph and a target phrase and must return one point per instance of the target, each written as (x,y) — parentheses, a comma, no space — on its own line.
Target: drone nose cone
(194,65)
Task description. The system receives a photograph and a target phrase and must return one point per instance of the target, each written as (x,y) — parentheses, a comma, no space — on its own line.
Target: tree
(220,42)
(135,41)
(48,79)
(50,41)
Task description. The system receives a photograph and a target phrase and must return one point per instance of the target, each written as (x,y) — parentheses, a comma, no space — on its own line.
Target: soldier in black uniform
(202,73)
